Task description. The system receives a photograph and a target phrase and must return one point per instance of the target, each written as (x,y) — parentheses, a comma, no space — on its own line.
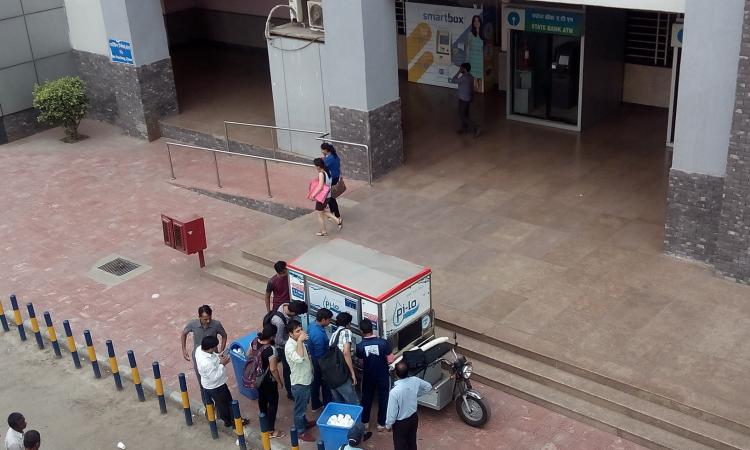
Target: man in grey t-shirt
(465,82)
(201,327)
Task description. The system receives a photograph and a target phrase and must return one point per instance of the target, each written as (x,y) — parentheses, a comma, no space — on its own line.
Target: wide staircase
(646,418)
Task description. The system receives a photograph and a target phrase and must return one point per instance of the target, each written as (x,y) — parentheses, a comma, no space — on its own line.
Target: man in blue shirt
(375,354)
(465,82)
(402,415)
(317,345)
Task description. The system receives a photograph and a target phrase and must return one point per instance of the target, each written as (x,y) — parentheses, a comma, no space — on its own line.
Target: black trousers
(369,387)
(405,433)
(268,401)
(222,399)
(333,205)
(286,372)
(463,115)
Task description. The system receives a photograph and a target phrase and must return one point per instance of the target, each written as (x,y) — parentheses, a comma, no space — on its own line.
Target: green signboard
(554,22)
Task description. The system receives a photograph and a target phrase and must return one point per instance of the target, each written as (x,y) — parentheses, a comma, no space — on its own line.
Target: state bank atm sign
(406,306)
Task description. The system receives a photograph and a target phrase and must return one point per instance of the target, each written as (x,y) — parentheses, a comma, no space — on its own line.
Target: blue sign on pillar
(121,51)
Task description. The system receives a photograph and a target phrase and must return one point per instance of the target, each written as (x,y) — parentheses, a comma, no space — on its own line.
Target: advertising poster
(296,286)
(370,311)
(440,38)
(322,297)
(406,306)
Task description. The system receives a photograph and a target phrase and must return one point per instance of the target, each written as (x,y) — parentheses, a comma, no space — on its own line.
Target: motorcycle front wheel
(473,411)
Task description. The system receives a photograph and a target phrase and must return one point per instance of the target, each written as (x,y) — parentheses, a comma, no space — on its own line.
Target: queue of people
(284,356)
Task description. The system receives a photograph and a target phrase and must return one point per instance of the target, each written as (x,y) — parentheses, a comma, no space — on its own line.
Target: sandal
(321,234)
(277,435)
(340,224)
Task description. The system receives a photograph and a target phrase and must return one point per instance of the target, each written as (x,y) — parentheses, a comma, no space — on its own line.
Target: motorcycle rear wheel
(476,415)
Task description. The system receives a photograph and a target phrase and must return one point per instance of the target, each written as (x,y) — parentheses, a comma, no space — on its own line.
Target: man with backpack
(262,373)
(281,318)
(343,341)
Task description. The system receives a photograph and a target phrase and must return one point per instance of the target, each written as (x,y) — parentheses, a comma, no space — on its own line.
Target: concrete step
(246,266)
(600,417)
(250,285)
(506,343)
(622,403)
(255,257)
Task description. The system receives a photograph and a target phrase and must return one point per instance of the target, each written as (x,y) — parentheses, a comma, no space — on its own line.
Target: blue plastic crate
(332,436)
(238,363)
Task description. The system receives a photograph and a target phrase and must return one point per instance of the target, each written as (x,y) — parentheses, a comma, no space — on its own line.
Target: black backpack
(333,368)
(269,315)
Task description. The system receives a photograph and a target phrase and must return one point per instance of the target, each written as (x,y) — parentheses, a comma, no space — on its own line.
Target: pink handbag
(322,195)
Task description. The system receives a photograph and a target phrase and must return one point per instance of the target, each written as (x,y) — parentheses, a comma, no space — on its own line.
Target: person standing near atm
(465,82)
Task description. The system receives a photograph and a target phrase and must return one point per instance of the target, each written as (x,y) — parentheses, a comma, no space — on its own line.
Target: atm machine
(564,75)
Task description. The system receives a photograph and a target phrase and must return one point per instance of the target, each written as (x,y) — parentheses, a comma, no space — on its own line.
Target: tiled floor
(66,206)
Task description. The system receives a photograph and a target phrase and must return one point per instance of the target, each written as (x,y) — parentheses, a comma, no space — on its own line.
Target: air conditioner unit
(315,14)
(298,8)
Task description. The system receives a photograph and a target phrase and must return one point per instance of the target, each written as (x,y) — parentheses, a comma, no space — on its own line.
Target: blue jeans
(345,394)
(301,393)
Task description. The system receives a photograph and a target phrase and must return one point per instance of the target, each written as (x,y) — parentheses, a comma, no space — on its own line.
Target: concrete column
(733,246)
(134,95)
(708,76)
(361,77)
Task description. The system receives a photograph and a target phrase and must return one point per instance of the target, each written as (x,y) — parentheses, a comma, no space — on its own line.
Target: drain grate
(119,266)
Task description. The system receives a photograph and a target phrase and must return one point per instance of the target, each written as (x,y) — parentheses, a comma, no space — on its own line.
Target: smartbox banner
(439,40)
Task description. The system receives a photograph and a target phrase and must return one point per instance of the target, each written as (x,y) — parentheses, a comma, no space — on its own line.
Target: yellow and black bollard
(71,344)
(17,317)
(35,326)
(265,435)
(113,365)
(136,376)
(211,416)
(3,319)
(159,388)
(92,354)
(185,400)
(52,334)
(294,438)
(238,427)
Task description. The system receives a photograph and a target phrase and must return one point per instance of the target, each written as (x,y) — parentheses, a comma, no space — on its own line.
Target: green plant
(62,102)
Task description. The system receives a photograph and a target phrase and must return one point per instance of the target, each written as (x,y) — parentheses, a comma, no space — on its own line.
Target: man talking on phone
(214,378)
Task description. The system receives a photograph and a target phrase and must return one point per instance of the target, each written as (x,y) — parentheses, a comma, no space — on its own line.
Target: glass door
(545,76)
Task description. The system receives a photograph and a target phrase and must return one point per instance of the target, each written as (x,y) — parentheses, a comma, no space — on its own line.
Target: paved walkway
(67,206)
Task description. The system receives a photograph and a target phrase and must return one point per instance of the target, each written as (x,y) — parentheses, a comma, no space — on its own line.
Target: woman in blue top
(333,167)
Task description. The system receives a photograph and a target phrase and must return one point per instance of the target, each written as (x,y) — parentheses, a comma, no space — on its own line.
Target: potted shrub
(62,102)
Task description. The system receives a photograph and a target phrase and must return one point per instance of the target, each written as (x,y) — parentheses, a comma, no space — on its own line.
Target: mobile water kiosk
(345,277)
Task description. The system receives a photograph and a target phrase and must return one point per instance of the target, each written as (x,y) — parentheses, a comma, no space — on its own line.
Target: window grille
(401,16)
(648,38)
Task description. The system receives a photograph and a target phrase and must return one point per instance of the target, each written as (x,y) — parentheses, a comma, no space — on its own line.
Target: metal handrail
(321,137)
(216,163)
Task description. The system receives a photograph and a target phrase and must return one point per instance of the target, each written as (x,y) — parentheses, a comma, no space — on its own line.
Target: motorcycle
(450,378)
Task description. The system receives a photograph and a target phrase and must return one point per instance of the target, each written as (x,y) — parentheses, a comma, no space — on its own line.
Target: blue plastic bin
(332,436)
(238,362)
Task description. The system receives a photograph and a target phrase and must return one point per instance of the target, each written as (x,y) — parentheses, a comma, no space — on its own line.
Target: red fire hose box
(187,235)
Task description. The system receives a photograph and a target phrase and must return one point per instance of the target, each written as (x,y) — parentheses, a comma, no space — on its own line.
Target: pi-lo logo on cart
(403,312)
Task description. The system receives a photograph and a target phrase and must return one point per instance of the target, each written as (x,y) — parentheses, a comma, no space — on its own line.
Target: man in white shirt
(214,378)
(14,436)
(301,377)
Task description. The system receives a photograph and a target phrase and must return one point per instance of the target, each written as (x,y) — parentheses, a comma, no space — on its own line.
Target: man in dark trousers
(375,354)
(214,378)
(201,327)
(402,416)
(278,285)
(465,82)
